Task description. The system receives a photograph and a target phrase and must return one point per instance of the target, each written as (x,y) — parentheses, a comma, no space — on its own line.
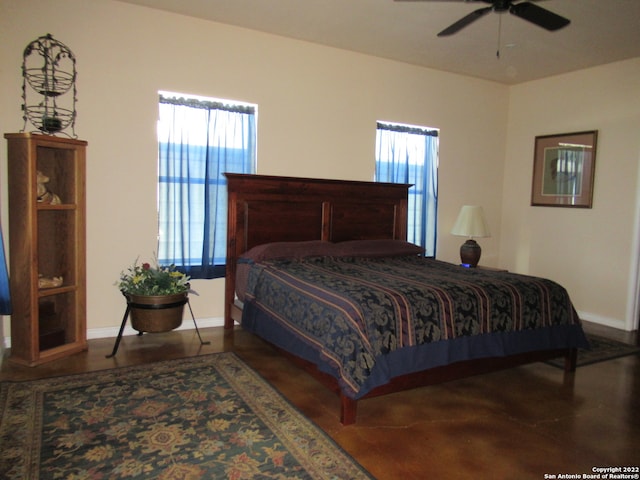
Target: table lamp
(470,223)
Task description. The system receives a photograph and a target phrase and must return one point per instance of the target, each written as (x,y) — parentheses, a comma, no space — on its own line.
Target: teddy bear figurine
(44,195)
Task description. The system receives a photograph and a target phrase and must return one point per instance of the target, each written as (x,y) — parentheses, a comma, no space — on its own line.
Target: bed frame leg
(348,410)
(570,360)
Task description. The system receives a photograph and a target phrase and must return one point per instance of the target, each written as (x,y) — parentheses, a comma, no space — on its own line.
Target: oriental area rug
(602,349)
(204,417)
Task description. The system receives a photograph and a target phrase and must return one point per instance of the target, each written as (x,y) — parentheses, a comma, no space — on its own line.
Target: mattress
(365,320)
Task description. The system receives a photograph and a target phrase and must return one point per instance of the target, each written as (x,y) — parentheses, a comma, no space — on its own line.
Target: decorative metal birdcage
(49,86)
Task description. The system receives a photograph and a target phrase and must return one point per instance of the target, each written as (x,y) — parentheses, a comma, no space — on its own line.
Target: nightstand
(492,269)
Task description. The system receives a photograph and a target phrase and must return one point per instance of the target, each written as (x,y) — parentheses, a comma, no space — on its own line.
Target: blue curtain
(5,297)
(198,142)
(410,155)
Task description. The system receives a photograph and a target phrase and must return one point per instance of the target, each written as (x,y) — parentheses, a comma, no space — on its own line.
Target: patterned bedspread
(367,320)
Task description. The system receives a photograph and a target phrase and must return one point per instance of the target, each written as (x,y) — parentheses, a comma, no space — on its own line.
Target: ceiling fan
(525,10)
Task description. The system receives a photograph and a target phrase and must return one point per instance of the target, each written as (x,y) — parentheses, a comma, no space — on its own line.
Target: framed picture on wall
(563,170)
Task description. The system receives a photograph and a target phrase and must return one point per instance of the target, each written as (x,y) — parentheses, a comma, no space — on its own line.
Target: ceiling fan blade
(464,21)
(538,15)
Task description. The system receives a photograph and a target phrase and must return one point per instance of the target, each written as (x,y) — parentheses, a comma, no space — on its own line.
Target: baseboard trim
(187,324)
(599,319)
(112,332)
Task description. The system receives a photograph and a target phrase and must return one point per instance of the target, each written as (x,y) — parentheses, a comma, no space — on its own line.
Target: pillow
(276,250)
(376,248)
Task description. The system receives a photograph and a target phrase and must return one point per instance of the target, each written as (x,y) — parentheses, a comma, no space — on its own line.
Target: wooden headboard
(264,209)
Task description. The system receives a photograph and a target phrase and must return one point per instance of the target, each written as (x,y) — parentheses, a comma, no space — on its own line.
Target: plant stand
(131,304)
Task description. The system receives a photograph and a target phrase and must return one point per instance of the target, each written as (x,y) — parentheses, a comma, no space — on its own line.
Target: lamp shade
(471,223)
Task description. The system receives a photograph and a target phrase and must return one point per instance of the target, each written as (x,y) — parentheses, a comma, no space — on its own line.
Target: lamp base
(470,253)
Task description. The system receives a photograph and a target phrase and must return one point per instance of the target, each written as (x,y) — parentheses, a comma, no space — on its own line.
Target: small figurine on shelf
(44,195)
(46,282)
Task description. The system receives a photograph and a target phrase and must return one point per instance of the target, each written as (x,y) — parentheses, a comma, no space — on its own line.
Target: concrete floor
(522,423)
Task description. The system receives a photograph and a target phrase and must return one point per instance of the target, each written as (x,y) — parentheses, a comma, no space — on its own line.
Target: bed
(321,270)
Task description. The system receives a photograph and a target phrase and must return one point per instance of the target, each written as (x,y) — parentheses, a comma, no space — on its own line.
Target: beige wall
(593,252)
(317,112)
(318,108)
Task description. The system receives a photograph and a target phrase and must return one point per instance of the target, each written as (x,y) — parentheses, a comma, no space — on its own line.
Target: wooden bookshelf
(46,242)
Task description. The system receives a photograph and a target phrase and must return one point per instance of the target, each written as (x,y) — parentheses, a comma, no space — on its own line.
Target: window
(408,154)
(199,140)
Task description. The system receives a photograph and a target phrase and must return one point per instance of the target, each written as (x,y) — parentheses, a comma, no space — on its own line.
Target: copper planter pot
(156,313)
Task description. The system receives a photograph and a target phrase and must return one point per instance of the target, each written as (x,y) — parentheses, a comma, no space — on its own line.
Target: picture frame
(563,170)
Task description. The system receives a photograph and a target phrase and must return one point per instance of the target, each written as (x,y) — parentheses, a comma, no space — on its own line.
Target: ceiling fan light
(525,10)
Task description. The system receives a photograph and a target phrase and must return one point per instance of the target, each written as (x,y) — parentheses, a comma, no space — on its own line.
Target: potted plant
(155,295)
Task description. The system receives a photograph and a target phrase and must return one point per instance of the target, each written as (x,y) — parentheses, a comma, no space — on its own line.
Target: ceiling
(601,31)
